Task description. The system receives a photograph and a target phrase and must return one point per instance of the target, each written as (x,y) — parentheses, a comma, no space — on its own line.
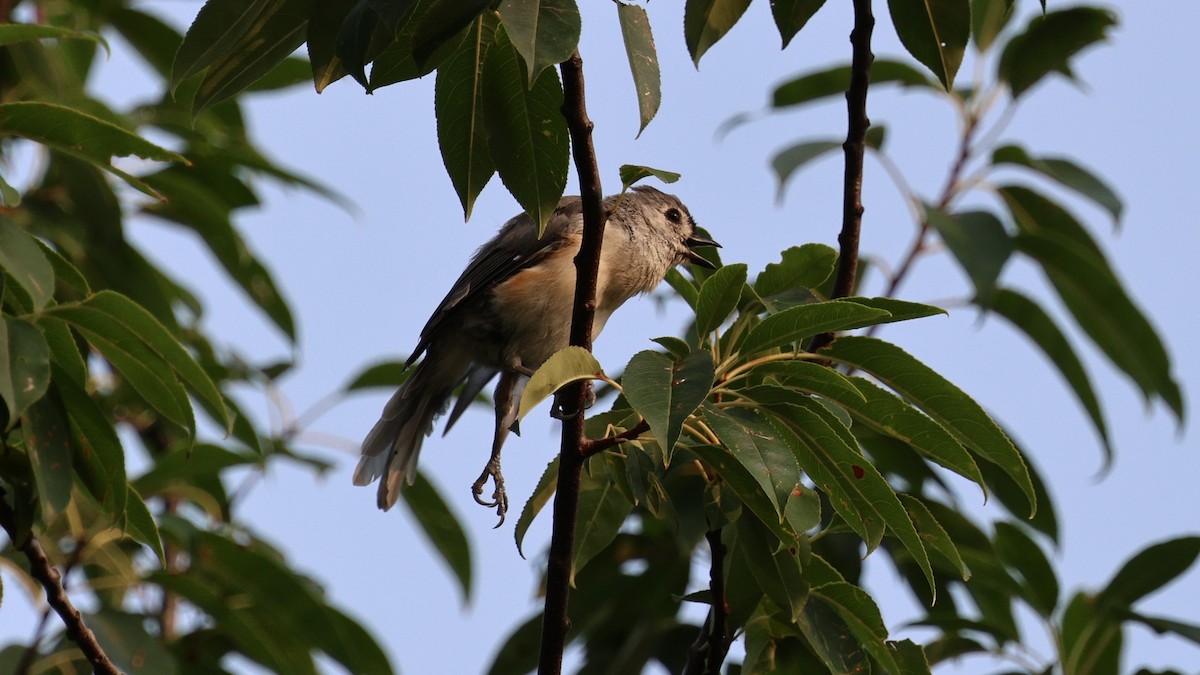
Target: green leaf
(862,617)
(1151,569)
(803,510)
(602,511)
(1013,499)
(789,160)
(899,310)
(792,15)
(141,526)
(933,535)
(747,488)
(811,377)
(218,26)
(775,569)
(64,271)
(802,321)
(1022,554)
(9,196)
(1049,43)
(676,347)
(527,134)
(643,61)
(1162,625)
(154,40)
(64,351)
(567,365)
(719,295)
(396,62)
(441,23)
(442,529)
(48,443)
(1109,317)
(12,33)
(1067,173)
(666,392)
(326,22)
(385,374)
(117,317)
(546,486)
(98,458)
(755,444)
(203,460)
(1036,214)
(458,105)
(835,81)
(82,136)
(632,173)
(277,31)
(24,367)
(856,489)
(686,288)
(518,654)
(1040,327)
(544,32)
(940,399)
(807,266)
(830,639)
(1092,641)
(707,21)
(22,258)
(935,32)
(988,18)
(127,643)
(979,243)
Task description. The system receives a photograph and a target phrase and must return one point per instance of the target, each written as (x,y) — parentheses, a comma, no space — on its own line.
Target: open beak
(696,241)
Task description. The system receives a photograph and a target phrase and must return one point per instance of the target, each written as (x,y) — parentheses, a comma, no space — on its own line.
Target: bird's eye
(674,215)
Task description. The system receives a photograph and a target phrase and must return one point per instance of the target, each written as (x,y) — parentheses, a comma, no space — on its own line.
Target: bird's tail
(390,451)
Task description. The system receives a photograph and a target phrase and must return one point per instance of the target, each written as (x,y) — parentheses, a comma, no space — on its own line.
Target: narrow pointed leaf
(933,534)
(540,496)
(862,617)
(216,29)
(632,173)
(442,22)
(1049,43)
(140,525)
(790,160)
(567,365)
(442,529)
(719,295)
(48,443)
(940,399)
(988,18)
(775,569)
(1036,214)
(980,244)
(643,60)
(666,392)
(458,105)
(707,21)
(602,511)
(339,40)
(98,458)
(747,488)
(935,32)
(1067,173)
(835,81)
(396,62)
(1021,553)
(802,321)
(898,310)
(24,367)
(813,378)
(754,443)
(386,374)
(544,32)
(1152,568)
(791,16)
(23,260)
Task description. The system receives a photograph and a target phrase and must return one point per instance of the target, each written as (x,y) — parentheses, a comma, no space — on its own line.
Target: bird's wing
(513,249)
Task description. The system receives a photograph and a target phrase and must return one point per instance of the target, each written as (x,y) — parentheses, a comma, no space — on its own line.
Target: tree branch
(41,569)
(855,148)
(707,653)
(555,620)
(599,445)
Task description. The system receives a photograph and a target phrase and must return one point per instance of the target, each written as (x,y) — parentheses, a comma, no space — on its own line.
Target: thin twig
(590,447)
(556,622)
(707,653)
(854,148)
(41,569)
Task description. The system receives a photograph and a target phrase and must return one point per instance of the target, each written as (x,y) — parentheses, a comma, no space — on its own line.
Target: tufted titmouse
(510,311)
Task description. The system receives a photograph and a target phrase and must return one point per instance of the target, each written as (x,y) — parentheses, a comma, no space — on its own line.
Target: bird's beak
(696,241)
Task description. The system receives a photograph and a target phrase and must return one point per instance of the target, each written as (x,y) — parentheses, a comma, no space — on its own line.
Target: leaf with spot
(23,260)
(666,392)
(643,61)
(754,443)
(24,368)
(935,32)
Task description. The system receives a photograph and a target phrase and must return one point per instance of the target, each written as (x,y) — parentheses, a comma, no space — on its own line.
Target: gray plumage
(509,311)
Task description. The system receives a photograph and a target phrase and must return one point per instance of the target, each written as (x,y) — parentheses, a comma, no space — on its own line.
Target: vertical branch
(41,569)
(555,620)
(855,148)
(707,653)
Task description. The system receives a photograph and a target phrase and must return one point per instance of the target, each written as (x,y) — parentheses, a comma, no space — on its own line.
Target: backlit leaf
(707,21)
(935,32)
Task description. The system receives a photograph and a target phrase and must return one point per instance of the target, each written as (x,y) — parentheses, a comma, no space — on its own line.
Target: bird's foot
(499,496)
(557,410)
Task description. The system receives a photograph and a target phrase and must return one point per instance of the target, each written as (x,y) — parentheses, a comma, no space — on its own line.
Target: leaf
(440,23)
(792,15)
(1152,568)
(518,654)
(1162,625)
(933,535)
(48,443)
(979,243)
(643,62)
(899,310)
(775,569)
(277,31)
(1040,327)
(1022,554)
(1067,173)
(544,32)
(632,173)
(686,288)
(12,33)
(940,399)
(786,162)
(567,365)
(385,374)
(540,497)
(802,321)
(862,617)
(666,392)
(1048,44)
(719,295)
(141,526)
(1036,214)
(1092,641)
(988,18)
(676,347)
(602,511)
(9,196)
(24,367)
(442,530)
(836,81)
(336,30)
(755,444)
(22,258)
(97,456)
(396,62)
(707,21)
(935,32)
(810,377)
(458,105)
(82,136)
(527,134)
(216,29)
(747,488)
(807,266)
(1109,317)
(856,489)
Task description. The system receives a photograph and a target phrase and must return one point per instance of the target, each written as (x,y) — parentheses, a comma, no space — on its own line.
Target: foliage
(789,461)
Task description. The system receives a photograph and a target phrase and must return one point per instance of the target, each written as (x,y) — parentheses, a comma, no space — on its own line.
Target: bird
(508,312)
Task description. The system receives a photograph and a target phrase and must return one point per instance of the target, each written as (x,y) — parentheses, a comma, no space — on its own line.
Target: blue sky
(362,285)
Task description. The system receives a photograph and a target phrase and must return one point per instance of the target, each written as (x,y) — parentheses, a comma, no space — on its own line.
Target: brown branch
(41,569)
(707,653)
(590,447)
(854,148)
(555,620)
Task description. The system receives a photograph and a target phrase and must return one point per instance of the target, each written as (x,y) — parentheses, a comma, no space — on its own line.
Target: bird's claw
(499,495)
(556,411)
